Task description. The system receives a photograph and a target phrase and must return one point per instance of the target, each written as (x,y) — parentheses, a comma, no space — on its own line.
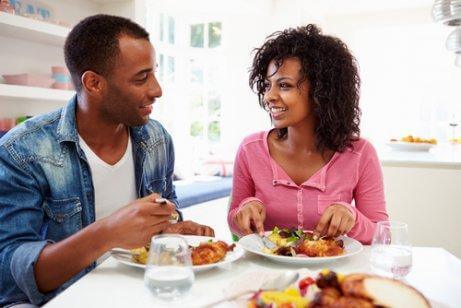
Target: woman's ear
(93,83)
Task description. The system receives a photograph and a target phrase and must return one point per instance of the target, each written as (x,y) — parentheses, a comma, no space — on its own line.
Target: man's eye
(142,78)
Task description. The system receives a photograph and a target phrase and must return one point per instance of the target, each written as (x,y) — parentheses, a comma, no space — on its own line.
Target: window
(190,69)
(171,30)
(165,28)
(214,132)
(196,72)
(197,35)
(196,129)
(161,27)
(160,67)
(170,69)
(214,34)
(214,106)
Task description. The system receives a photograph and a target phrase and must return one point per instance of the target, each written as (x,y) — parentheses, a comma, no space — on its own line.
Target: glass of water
(169,273)
(391,254)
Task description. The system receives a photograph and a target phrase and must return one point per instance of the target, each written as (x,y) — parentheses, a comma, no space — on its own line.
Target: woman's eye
(284,85)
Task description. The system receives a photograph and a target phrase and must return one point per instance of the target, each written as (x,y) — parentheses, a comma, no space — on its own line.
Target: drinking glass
(391,254)
(169,273)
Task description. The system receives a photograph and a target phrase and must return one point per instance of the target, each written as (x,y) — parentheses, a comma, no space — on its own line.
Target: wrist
(104,234)
(350,208)
(246,201)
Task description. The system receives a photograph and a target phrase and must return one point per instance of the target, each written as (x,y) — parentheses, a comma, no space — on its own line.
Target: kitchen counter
(443,156)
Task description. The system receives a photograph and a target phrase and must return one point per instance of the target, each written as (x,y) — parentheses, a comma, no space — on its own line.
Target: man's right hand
(133,225)
(250,218)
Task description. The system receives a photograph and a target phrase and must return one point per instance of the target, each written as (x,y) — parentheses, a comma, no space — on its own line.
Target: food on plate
(299,243)
(290,298)
(330,289)
(413,139)
(455,140)
(139,255)
(206,253)
(210,252)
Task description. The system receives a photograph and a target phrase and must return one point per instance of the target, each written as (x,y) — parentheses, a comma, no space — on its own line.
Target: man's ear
(93,83)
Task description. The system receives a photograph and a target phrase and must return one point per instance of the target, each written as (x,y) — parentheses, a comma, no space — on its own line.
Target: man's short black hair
(93,44)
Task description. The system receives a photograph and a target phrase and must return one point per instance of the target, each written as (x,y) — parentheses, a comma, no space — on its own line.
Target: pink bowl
(32,80)
(62,86)
(59,70)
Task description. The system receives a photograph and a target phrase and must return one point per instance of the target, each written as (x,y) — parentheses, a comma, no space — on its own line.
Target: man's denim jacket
(46,192)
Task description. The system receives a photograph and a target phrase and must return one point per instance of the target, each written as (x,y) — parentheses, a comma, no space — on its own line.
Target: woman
(312,171)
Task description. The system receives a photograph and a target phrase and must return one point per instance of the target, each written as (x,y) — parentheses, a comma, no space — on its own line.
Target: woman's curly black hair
(332,74)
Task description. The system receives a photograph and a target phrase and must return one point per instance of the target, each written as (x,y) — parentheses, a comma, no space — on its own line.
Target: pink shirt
(352,178)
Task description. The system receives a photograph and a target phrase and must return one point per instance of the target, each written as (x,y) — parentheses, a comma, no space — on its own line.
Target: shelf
(16,26)
(22,93)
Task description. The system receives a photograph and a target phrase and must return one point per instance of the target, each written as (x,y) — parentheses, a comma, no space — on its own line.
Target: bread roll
(383,291)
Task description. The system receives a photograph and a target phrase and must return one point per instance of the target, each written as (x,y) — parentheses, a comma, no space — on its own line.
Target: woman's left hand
(336,220)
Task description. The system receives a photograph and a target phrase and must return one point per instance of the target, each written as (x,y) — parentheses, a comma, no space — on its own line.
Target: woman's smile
(277,112)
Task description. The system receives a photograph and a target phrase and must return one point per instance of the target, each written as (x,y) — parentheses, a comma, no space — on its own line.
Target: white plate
(193,240)
(253,243)
(409,146)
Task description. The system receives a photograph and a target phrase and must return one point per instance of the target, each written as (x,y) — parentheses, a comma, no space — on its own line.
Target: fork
(121,252)
(267,242)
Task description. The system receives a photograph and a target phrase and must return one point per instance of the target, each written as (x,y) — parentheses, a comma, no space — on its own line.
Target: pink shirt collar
(280,177)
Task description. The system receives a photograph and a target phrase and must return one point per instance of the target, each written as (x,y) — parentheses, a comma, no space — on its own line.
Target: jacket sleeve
(170,191)
(21,217)
(369,199)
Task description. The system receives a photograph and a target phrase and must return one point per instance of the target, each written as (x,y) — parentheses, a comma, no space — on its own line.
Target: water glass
(169,273)
(391,254)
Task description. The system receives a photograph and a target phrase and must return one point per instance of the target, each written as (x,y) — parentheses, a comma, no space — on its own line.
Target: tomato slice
(306,282)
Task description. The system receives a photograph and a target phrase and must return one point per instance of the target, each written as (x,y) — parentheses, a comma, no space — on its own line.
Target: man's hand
(250,217)
(190,228)
(336,220)
(133,225)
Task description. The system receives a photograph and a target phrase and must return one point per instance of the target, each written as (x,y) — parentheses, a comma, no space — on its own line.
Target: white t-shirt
(114,185)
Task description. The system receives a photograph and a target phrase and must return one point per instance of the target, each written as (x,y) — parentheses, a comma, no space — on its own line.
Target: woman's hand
(250,217)
(336,220)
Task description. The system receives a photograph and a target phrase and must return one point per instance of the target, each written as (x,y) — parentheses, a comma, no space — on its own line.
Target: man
(69,180)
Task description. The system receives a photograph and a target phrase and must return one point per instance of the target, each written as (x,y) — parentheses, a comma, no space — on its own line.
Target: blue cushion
(198,192)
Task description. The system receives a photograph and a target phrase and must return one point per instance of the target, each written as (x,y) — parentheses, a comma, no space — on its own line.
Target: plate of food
(330,289)
(206,253)
(413,144)
(300,247)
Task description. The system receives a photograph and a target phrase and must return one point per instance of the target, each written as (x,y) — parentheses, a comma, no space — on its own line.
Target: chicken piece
(352,302)
(321,248)
(208,253)
(139,255)
(325,298)
(352,285)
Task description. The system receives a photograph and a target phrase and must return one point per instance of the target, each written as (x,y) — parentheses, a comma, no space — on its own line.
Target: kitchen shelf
(16,26)
(13,92)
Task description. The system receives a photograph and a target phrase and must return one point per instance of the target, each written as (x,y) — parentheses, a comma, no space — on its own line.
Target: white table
(436,273)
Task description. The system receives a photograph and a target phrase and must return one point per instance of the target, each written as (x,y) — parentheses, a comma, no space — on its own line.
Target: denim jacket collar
(67,126)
